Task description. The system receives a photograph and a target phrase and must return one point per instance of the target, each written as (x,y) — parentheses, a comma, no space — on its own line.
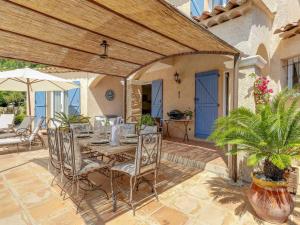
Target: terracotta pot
(270,200)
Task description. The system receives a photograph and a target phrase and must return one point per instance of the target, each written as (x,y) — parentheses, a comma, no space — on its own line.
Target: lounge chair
(22,129)
(6,122)
(24,139)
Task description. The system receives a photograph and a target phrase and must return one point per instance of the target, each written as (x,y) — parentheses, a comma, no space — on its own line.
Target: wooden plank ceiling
(68,34)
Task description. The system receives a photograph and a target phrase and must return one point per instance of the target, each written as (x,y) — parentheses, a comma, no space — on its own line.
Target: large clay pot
(270,200)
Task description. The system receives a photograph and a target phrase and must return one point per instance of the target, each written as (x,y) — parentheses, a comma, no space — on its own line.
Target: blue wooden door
(206,103)
(157,99)
(73,100)
(39,105)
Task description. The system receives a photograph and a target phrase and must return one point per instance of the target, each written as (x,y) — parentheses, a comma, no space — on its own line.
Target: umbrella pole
(28,97)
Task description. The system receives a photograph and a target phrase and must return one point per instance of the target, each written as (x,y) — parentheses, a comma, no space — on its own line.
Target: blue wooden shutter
(73,100)
(197,7)
(157,99)
(40,105)
(206,103)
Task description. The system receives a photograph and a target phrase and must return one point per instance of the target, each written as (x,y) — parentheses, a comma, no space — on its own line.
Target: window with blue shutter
(197,7)
(73,100)
(39,105)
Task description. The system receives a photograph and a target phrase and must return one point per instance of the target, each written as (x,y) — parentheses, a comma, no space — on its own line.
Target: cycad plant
(270,136)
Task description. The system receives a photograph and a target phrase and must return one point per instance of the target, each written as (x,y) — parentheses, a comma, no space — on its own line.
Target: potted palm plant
(271,137)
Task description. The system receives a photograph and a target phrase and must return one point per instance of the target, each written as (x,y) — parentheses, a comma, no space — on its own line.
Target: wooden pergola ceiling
(68,34)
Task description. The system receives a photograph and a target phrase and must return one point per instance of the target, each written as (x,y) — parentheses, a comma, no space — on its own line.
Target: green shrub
(19,118)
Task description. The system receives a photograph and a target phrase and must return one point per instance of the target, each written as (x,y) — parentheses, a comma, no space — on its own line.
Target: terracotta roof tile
(218,9)
(289,30)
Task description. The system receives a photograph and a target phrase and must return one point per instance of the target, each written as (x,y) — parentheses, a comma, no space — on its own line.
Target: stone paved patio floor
(187,197)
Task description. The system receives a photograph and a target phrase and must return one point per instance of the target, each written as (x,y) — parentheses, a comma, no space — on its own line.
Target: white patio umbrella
(29,80)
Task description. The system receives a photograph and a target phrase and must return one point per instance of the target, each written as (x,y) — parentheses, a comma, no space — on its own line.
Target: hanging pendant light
(105,46)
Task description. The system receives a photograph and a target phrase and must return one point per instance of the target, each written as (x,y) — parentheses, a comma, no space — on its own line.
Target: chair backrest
(37,128)
(128,128)
(25,124)
(80,127)
(148,153)
(119,120)
(147,129)
(53,143)
(70,152)
(100,120)
(6,120)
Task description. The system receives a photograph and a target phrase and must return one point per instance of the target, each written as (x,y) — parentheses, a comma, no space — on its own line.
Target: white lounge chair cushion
(7,135)
(11,141)
(90,165)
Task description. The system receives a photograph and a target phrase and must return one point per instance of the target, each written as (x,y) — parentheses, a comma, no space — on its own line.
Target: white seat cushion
(127,167)
(90,165)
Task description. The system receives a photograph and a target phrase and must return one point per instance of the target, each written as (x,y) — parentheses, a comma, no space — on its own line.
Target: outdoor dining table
(113,152)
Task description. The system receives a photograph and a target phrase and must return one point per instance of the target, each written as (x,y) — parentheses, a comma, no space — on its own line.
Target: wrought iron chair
(75,168)
(147,129)
(128,129)
(54,149)
(147,160)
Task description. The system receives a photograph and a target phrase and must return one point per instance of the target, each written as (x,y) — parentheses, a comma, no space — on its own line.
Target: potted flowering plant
(271,138)
(261,90)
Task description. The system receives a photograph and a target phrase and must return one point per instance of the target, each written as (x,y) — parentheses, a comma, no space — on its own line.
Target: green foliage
(10,64)
(147,120)
(14,97)
(272,133)
(19,118)
(65,120)
(188,113)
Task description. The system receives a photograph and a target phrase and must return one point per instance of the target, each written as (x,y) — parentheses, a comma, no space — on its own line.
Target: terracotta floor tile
(170,216)
(8,206)
(149,207)
(47,209)
(66,218)
(15,219)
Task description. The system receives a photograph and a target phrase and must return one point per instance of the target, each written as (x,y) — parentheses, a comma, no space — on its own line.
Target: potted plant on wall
(261,90)
(271,137)
(188,114)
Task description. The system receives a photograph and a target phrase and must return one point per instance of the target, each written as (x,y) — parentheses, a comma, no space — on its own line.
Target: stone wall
(134,102)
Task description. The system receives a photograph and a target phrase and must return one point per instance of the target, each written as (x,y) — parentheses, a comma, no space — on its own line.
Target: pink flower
(270,90)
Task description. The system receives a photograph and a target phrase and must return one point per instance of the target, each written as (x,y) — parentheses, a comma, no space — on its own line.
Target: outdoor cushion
(11,141)
(127,167)
(90,165)
(7,135)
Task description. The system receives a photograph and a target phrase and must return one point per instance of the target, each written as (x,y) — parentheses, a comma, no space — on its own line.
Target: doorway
(206,102)
(146,98)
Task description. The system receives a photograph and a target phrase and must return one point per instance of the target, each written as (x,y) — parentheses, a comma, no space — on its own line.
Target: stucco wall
(181,96)
(98,104)
(92,94)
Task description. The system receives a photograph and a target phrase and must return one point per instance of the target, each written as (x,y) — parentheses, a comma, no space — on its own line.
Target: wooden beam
(169,22)
(182,54)
(87,15)
(24,48)
(21,20)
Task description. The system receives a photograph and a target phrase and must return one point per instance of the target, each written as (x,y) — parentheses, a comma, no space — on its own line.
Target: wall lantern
(105,46)
(177,78)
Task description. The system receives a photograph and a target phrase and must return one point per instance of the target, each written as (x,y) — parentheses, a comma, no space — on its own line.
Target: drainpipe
(234,166)
(125,100)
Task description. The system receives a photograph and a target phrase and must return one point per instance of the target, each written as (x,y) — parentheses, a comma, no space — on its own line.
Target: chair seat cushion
(127,167)
(90,165)
(11,141)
